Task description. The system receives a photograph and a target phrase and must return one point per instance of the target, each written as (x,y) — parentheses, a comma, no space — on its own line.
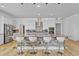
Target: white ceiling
(31,10)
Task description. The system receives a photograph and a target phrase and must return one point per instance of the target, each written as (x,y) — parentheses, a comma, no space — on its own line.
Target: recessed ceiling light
(38,6)
(46,3)
(2,6)
(21,3)
(34,3)
(58,3)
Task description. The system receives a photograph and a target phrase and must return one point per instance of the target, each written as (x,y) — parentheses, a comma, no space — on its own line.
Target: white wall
(71,27)
(1,24)
(1,30)
(30,22)
(9,21)
(4,19)
(48,22)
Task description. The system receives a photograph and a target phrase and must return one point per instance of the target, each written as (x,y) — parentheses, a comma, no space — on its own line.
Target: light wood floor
(72,47)
(9,50)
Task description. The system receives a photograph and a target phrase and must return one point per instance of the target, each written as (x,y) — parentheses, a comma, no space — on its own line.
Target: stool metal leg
(33,50)
(59,52)
(21,49)
(47,51)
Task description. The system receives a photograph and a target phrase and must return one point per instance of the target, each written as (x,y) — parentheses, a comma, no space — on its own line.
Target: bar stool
(60,40)
(33,41)
(47,40)
(26,41)
(19,40)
